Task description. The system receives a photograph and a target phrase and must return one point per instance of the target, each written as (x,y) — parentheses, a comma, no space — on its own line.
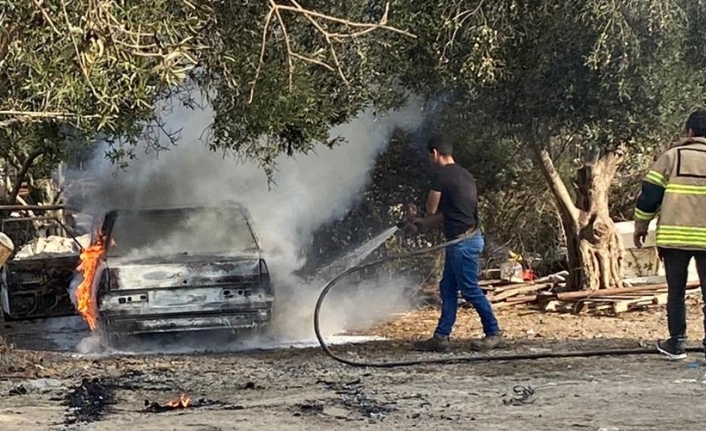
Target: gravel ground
(301,388)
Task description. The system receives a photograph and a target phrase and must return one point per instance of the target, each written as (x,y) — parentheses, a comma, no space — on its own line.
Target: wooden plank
(508,304)
(613,298)
(518,290)
(601,307)
(609,299)
(623,306)
(489,282)
(619,291)
(523,298)
(506,287)
(620,307)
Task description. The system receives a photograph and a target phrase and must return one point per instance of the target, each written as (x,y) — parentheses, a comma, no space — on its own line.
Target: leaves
(102,68)
(278,75)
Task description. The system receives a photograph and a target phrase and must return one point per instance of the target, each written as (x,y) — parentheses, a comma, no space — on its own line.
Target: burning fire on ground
(183,402)
(85,298)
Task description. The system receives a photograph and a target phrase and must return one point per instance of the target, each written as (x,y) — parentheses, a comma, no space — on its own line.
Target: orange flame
(183,402)
(85,299)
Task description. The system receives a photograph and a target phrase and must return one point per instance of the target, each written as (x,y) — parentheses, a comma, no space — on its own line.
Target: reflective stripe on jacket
(675,187)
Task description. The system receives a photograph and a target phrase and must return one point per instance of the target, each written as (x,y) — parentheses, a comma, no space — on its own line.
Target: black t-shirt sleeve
(437,181)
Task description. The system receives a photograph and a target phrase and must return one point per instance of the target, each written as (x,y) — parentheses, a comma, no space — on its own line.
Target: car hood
(182,271)
(184,257)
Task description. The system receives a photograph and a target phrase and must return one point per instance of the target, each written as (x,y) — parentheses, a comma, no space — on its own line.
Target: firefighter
(453,204)
(675,186)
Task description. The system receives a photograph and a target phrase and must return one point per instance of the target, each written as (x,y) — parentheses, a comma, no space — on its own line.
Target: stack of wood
(498,291)
(501,294)
(548,295)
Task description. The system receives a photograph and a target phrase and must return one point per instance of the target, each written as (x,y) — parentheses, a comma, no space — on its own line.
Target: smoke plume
(309,191)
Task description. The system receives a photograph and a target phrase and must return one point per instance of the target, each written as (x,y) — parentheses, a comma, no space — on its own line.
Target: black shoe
(673,349)
(489,342)
(433,344)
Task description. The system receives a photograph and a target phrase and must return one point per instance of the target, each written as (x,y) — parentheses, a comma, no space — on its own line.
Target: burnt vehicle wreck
(35,277)
(182,269)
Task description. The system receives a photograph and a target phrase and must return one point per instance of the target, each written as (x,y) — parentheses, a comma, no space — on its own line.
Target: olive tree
(277,75)
(597,80)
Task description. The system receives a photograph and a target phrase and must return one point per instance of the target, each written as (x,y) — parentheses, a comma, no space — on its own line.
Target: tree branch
(47,18)
(459,20)
(313,60)
(263,46)
(329,38)
(22,174)
(556,184)
(32,116)
(373,26)
(5,41)
(287,43)
(44,114)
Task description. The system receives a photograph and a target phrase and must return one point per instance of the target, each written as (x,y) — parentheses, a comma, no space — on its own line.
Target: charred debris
(88,401)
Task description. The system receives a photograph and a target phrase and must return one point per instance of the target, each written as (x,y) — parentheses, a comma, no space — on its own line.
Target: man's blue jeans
(461,267)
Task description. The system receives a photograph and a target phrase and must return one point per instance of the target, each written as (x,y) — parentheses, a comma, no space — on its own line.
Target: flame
(183,402)
(85,299)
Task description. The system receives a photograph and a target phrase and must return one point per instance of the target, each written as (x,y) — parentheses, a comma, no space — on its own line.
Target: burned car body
(34,280)
(36,288)
(182,269)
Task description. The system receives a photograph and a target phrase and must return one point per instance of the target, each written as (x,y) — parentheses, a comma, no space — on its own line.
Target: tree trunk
(21,174)
(594,247)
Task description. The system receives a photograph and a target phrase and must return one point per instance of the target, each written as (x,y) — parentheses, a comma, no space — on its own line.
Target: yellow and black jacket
(675,187)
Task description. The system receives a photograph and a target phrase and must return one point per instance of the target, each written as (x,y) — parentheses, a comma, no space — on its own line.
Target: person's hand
(638,238)
(407,226)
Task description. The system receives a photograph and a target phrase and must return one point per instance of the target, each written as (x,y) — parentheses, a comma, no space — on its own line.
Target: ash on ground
(88,401)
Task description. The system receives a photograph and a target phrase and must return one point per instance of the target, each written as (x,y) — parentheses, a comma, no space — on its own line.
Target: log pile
(612,300)
(548,294)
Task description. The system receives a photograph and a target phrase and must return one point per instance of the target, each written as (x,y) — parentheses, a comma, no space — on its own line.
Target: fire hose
(456,359)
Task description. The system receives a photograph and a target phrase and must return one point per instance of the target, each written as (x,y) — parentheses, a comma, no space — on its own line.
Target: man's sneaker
(433,344)
(488,342)
(672,349)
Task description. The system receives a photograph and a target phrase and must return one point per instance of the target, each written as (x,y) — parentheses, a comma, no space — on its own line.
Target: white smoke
(309,191)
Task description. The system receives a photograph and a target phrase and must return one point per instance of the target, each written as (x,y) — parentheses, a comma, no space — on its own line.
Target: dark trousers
(676,267)
(461,274)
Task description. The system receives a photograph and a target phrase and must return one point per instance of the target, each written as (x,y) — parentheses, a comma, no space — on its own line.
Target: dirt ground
(301,388)
(528,323)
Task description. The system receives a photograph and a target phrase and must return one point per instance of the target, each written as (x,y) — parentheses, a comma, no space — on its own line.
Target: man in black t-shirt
(453,203)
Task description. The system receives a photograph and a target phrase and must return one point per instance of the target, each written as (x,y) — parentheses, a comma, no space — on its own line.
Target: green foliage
(577,78)
(99,66)
(276,76)
(591,75)
(607,73)
(72,71)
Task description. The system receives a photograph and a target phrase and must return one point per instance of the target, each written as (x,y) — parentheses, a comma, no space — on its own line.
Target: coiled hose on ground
(456,359)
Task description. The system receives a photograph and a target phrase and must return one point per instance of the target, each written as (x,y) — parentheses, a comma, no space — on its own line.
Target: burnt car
(34,280)
(182,269)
